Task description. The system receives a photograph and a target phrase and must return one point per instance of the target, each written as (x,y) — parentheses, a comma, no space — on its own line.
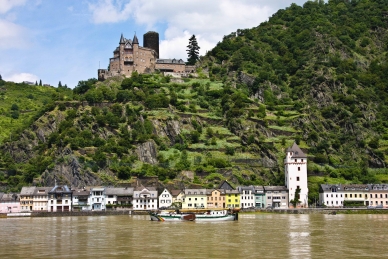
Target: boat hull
(193,217)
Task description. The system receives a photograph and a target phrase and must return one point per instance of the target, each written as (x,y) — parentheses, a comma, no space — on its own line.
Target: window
(298,168)
(297,178)
(269,197)
(351,195)
(295,160)
(346,195)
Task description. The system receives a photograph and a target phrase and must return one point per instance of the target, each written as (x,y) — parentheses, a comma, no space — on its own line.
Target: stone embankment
(88,213)
(330,211)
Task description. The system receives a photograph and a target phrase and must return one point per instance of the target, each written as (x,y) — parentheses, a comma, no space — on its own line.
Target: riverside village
(63,198)
(128,58)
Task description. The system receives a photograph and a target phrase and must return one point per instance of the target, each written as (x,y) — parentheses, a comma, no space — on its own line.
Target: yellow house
(194,199)
(215,199)
(356,193)
(232,199)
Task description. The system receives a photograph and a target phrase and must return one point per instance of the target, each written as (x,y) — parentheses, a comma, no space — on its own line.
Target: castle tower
(135,46)
(151,41)
(121,52)
(295,170)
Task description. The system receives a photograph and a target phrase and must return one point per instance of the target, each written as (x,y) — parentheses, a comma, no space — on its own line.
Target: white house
(331,195)
(40,198)
(295,169)
(97,198)
(81,199)
(145,198)
(247,196)
(165,199)
(60,199)
(119,196)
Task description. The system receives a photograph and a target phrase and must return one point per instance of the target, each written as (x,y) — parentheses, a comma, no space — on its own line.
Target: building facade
(259,197)
(378,195)
(97,198)
(276,197)
(165,199)
(331,195)
(9,203)
(40,198)
(194,199)
(60,199)
(129,57)
(295,169)
(247,196)
(145,198)
(215,199)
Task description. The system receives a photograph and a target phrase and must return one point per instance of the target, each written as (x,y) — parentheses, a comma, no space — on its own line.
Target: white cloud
(12,35)
(110,11)
(208,20)
(6,5)
(20,77)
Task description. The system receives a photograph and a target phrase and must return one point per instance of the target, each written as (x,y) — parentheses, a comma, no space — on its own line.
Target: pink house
(9,203)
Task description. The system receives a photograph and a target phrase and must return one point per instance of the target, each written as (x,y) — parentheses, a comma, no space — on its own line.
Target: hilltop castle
(129,57)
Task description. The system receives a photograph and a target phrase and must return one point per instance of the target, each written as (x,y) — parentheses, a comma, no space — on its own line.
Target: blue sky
(68,40)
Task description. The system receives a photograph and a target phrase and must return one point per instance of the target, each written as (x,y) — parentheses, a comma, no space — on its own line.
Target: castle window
(295,160)
(298,168)
(297,178)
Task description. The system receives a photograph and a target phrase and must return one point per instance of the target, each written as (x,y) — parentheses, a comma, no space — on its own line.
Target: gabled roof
(275,188)
(210,191)
(119,191)
(195,191)
(60,189)
(9,197)
(246,188)
(225,185)
(27,190)
(170,61)
(81,192)
(297,152)
(122,40)
(176,192)
(42,190)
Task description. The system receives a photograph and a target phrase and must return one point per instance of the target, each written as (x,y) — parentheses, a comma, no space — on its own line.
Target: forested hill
(329,63)
(316,75)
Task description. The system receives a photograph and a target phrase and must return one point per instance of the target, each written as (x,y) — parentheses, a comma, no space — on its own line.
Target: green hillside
(21,104)
(315,75)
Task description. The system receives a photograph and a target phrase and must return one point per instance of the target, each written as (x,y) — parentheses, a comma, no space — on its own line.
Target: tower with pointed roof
(295,170)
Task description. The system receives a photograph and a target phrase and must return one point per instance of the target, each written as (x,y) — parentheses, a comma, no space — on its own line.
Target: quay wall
(88,213)
(320,211)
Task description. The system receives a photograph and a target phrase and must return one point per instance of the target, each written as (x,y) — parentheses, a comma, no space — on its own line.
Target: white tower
(295,170)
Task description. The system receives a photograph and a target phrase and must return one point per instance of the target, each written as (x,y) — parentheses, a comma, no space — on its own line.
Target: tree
(296,200)
(40,82)
(36,82)
(59,84)
(192,51)
(1,78)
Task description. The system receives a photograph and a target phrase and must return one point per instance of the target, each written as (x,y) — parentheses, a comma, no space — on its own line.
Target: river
(253,236)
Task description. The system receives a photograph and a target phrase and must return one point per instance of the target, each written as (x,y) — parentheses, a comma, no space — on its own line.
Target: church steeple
(135,40)
(122,39)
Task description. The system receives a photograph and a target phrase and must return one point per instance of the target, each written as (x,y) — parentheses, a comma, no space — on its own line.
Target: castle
(129,57)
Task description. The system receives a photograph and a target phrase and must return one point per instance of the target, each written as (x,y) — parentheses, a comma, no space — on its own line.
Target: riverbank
(329,211)
(244,211)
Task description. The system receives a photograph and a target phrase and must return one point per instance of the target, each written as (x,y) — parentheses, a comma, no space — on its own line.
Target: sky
(68,40)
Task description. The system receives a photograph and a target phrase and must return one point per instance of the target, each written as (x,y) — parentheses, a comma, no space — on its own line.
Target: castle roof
(135,40)
(297,152)
(122,39)
(170,61)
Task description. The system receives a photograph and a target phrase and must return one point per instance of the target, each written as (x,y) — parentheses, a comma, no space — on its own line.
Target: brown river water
(253,236)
